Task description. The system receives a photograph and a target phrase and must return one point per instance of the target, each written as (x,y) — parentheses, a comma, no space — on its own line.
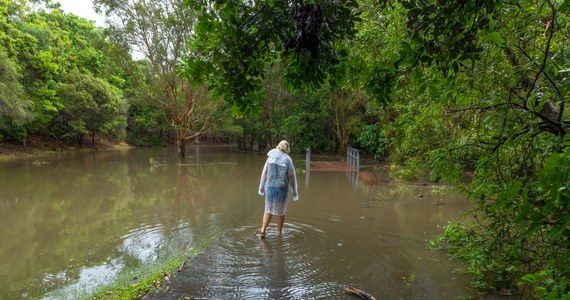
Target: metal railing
(353,157)
(353,160)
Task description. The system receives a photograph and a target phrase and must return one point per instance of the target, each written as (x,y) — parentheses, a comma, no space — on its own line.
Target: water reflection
(70,223)
(274,268)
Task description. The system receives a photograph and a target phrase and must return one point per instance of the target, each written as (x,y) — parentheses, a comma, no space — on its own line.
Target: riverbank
(153,277)
(38,147)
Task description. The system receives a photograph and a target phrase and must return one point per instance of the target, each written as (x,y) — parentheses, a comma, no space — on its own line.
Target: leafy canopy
(233,41)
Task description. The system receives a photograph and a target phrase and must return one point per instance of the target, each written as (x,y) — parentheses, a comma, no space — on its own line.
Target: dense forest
(471,93)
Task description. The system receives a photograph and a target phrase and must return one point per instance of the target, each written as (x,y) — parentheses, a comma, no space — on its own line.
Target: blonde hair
(283,146)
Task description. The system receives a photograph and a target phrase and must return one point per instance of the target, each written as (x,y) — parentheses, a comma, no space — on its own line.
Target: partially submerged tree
(159,30)
(493,77)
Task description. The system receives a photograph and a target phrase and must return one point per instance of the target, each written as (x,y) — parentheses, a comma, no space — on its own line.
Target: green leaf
(407,5)
(495,37)
(564,7)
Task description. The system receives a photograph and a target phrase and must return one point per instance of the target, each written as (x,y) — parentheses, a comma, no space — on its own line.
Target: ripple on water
(146,241)
(143,241)
(307,262)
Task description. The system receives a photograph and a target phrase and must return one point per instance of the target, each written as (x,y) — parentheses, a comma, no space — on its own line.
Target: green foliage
(45,45)
(310,118)
(480,87)
(448,30)
(234,40)
(15,108)
(423,140)
(91,106)
(147,124)
(531,249)
(464,244)
(372,139)
(325,120)
(381,55)
(443,89)
(302,119)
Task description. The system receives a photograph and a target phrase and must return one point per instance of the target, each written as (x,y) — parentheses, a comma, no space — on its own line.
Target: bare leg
(266,220)
(280,221)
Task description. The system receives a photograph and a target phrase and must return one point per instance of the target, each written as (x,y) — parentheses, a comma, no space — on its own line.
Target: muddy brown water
(72,223)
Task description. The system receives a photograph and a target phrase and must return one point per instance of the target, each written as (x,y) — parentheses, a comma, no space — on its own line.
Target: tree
(234,40)
(491,81)
(45,45)
(484,83)
(19,41)
(91,106)
(159,31)
(15,107)
(347,114)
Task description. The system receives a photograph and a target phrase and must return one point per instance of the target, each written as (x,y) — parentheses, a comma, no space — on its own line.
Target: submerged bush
(519,237)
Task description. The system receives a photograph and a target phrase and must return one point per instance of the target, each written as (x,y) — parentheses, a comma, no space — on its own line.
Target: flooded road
(72,223)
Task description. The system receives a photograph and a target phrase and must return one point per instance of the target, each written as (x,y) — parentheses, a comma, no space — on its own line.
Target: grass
(125,288)
(136,290)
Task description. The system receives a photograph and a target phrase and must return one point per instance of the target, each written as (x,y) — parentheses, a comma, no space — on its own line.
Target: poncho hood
(276,153)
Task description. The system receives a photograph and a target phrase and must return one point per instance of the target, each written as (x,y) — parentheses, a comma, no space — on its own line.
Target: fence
(353,160)
(352,166)
(353,157)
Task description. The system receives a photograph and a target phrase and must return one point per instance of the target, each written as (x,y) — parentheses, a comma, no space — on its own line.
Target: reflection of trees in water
(70,214)
(63,221)
(75,212)
(201,178)
(189,186)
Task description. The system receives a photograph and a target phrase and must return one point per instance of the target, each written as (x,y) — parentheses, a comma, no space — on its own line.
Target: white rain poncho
(277,176)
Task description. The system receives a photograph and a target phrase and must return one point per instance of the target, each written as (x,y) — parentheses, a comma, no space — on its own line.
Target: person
(277,176)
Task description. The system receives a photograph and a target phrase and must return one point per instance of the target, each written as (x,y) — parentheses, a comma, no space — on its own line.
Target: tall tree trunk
(160,30)
(181,144)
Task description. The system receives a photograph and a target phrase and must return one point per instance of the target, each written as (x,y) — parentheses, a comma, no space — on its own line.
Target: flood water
(74,222)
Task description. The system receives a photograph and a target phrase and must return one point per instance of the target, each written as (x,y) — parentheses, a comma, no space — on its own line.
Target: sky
(82,8)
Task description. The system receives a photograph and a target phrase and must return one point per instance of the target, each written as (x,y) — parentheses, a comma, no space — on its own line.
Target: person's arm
(261,189)
(293,179)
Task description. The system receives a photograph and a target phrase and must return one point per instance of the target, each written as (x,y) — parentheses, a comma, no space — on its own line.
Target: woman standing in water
(277,175)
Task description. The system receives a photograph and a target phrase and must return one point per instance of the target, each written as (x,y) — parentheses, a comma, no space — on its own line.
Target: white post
(307,165)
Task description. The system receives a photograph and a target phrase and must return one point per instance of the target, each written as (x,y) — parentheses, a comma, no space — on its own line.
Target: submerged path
(240,265)
(333,166)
